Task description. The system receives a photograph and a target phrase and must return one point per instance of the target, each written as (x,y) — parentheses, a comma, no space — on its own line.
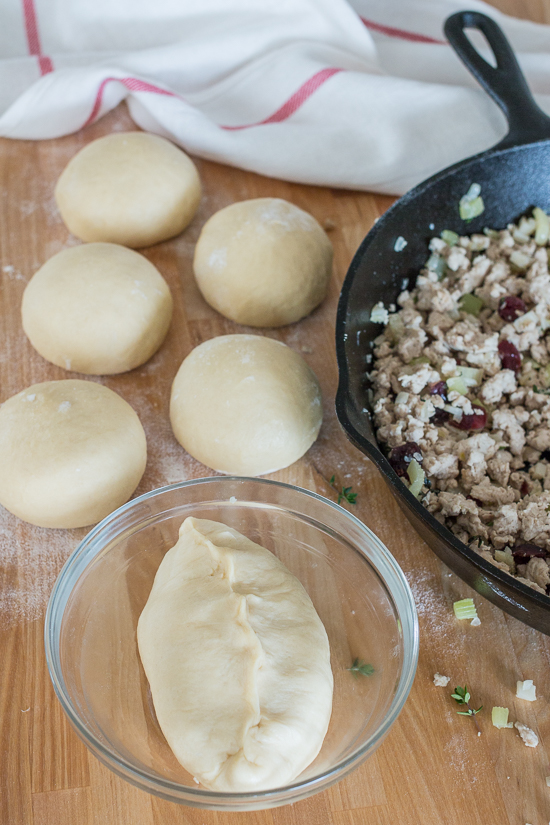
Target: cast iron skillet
(514,176)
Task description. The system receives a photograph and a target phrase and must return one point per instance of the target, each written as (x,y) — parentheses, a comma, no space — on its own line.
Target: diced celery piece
(471,304)
(473,192)
(456,412)
(542,226)
(416,477)
(499,718)
(450,237)
(470,375)
(491,233)
(395,326)
(520,237)
(527,226)
(458,385)
(421,359)
(505,556)
(437,264)
(379,315)
(465,609)
(520,260)
(433,261)
(471,208)
(544,376)
(526,690)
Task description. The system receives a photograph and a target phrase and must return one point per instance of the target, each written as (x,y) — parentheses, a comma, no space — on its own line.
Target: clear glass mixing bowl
(355,584)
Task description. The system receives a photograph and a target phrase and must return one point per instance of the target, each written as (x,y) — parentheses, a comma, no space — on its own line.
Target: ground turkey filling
(461,383)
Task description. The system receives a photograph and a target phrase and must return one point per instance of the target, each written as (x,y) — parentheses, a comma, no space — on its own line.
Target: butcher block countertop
(432,768)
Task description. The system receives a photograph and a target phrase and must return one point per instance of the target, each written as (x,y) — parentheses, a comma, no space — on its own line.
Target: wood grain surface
(432,768)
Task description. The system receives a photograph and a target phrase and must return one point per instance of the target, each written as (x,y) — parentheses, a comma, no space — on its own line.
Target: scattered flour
(12,273)
(430,603)
(459,761)
(167,461)
(30,561)
(27,207)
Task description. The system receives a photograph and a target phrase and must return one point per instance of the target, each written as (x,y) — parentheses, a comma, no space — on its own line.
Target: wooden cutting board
(432,768)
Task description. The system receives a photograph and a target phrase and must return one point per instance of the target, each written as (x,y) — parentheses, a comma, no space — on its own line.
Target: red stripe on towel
(285,111)
(45,63)
(33,38)
(390,31)
(294,102)
(131,83)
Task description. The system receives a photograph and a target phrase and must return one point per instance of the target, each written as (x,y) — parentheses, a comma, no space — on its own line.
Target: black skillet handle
(505,82)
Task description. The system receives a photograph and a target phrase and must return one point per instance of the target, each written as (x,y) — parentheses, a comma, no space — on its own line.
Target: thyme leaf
(360,667)
(462,697)
(345,494)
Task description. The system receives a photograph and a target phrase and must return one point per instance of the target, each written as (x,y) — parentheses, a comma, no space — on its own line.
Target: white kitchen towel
(363,94)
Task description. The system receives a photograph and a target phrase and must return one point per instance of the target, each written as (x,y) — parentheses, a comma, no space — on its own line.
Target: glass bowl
(355,584)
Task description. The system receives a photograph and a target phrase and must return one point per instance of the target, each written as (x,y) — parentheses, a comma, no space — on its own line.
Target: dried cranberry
(401,457)
(523,552)
(509,356)
(439,417)
(511,308)
(440,388)
(524,489)
(474,421)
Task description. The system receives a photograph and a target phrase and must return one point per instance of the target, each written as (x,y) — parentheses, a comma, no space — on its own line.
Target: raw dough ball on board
(72,451)
(98,308)
(237,659)
(131,188)
(264,262)
(245,405)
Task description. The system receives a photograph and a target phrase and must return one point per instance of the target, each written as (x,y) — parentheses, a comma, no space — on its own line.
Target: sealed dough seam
(227,570)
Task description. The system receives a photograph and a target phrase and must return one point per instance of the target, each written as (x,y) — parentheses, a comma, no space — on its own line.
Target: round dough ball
(98,308)
(263,262)
(72,451)
(131,188)
(245,405)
